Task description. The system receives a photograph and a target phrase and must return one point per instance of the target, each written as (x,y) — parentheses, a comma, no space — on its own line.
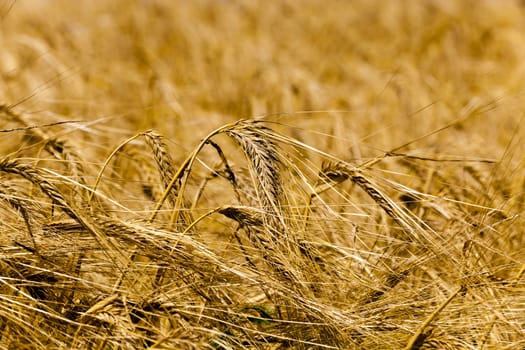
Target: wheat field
(262,175)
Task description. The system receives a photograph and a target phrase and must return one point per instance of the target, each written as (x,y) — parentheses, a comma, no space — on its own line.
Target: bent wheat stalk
(263,156)
(35,176)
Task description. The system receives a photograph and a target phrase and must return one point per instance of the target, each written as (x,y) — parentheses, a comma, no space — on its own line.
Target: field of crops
(239,174)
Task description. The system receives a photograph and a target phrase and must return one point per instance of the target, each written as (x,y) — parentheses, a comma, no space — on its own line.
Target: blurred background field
(355,79)
(394,69)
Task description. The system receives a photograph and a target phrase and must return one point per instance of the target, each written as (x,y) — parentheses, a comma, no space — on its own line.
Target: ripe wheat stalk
(124,270)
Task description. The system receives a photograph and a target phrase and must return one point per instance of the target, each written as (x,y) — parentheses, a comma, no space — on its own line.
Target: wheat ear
(163,159)
(22,208)
(264,166)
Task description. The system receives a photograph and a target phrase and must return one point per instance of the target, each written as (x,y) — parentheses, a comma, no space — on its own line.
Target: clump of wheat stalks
(291,253)
(322,235)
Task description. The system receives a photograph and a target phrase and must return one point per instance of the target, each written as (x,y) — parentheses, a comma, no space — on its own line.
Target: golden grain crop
(254,175)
